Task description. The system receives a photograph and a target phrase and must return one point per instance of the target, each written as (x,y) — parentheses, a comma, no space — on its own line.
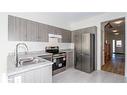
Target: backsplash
(37,46)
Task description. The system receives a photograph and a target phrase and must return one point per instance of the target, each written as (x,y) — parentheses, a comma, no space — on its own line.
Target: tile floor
(75,76)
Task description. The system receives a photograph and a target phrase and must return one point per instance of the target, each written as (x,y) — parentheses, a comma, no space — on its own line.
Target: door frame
(103,37)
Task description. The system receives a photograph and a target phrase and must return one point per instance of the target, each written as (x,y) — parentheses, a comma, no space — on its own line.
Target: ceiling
(58,19)
(70,17)
(119,27)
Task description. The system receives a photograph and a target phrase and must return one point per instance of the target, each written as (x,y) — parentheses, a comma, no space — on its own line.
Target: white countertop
(12,70)
(17,70)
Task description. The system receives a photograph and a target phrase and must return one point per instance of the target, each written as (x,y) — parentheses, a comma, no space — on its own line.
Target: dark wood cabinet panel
(20,29)
(16,29)
(11,28)
(66,36)
(43,33)
(70,59)
(32,31)
(23,30)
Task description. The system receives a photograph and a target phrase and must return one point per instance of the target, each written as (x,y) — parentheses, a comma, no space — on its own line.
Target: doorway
(113,46)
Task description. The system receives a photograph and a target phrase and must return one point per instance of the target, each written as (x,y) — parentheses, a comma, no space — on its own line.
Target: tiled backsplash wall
(37,46)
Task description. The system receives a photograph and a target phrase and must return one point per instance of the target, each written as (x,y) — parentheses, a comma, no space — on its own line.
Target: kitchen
(30,34)
(57,47)
(39,42)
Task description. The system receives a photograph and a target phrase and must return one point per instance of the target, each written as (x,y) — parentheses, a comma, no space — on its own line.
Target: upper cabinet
(17,29)
(20,29)
(43,33)
(32,31)
(11,29)
(66,36)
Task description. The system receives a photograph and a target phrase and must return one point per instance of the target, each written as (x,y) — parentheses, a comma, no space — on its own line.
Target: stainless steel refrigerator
(85,52)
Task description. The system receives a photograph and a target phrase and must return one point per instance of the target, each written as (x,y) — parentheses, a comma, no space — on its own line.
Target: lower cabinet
(39,75)
(69,59)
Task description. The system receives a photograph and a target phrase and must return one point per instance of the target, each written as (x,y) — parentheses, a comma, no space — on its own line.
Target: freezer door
(78,51)
(86,52)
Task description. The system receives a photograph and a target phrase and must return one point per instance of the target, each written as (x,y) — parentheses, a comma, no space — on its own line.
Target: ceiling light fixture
(118,22)
(114,30)
(116,33)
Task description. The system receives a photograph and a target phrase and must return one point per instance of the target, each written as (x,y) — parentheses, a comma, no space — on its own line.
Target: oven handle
(59,57)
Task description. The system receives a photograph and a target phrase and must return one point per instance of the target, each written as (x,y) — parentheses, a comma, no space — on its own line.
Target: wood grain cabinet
(17,30)
(69,36)
(20,29)
(39,75)
(70,59)
(42,33)
(32,31)
(58,31)
(11,28)
(66,36)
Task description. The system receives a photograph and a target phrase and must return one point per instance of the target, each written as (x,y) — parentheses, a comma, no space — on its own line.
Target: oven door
(58,62)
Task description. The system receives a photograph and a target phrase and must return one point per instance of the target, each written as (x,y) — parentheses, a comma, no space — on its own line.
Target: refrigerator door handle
(86,54)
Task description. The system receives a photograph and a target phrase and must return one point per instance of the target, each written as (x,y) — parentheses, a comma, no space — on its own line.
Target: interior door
(78,51)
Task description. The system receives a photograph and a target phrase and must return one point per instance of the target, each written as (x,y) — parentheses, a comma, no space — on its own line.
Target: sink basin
(30,61)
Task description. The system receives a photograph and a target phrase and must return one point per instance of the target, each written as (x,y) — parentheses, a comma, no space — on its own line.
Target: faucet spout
(17,52)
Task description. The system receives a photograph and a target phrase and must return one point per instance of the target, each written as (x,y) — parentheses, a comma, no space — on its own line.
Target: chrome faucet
(17,52)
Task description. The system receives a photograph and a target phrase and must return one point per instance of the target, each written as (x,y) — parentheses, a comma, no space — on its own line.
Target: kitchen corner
(36,36)
(34,73)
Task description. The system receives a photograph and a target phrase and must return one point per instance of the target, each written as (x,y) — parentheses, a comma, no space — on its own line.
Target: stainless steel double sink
(30,60)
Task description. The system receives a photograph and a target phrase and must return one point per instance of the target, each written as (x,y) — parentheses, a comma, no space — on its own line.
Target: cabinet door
(42,32)
(70,59)
(58,31)
(37,75)
(69,36)
(23,30)
(20,29)
(11,28)
(32,31)
(46,74)
(18,78)
(50,30)
(67,60)
(28,77)
(66,36)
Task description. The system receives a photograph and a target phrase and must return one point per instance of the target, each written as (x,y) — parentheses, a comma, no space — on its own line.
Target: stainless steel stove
(58,58)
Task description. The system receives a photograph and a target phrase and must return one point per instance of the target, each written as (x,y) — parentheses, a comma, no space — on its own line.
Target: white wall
(96,21)
(37,46)
(3,45)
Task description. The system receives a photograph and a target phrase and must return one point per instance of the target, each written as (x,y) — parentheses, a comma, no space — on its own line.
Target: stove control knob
(64,59)
(60,65)
(54,60)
